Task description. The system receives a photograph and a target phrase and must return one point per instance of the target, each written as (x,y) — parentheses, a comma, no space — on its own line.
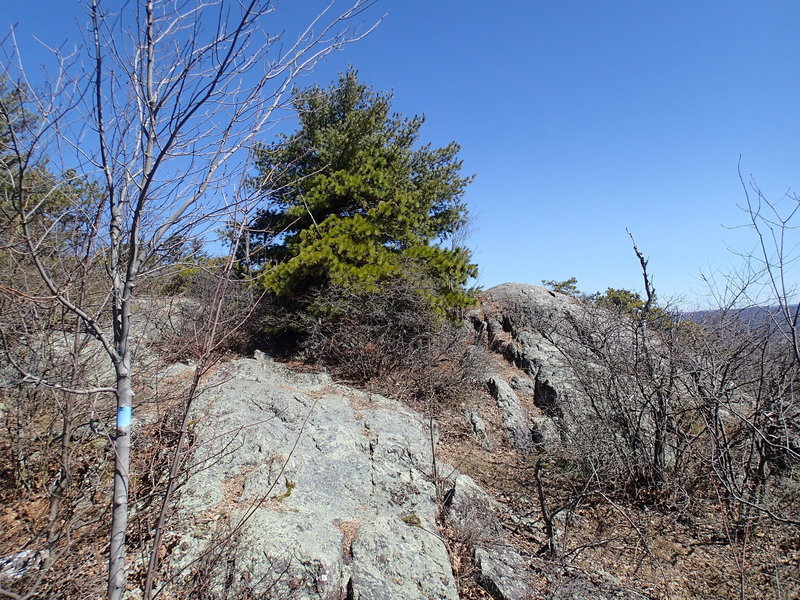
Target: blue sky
(582,118)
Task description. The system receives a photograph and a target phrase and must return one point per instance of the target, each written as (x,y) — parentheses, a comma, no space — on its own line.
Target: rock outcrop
(305,489)
(328,489)
(499,569)
(522,324)
(515,421)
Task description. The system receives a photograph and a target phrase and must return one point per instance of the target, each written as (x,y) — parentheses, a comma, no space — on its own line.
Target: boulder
(526,325)
(478,426)
(328,490)
(476,518)
(503,574)
(522,385)
(573,584)
(515,421)
(472,512)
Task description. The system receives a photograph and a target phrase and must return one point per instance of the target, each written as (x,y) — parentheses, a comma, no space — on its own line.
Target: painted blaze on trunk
(122,447)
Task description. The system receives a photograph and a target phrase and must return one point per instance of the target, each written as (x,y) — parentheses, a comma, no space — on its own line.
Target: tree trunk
(121,442)
(122,451)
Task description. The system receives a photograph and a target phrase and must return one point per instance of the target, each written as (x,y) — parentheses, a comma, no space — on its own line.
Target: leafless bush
(744,381)
(390,340)
(182,332)
(663,402)
(626,420)
(221,574)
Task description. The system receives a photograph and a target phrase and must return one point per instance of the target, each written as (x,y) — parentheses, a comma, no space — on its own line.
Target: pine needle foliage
(354,201)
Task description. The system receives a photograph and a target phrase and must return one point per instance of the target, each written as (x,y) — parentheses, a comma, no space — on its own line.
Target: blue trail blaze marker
(124,416)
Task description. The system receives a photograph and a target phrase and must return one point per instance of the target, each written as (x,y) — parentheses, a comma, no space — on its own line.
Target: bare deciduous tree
(157,110)
(774,263)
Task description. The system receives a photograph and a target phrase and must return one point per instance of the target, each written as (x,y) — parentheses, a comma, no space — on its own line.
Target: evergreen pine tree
(354,201)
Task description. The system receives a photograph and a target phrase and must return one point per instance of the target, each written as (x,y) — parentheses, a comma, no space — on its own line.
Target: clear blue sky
(582,118)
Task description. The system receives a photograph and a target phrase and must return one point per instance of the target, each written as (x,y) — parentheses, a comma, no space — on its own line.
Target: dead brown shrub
(389,340)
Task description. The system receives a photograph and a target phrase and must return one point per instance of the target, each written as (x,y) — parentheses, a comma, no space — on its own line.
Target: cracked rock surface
(333,485)
(522,324)
(499,569)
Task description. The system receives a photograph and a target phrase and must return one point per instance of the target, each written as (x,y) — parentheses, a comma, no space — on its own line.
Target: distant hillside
(751,316)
